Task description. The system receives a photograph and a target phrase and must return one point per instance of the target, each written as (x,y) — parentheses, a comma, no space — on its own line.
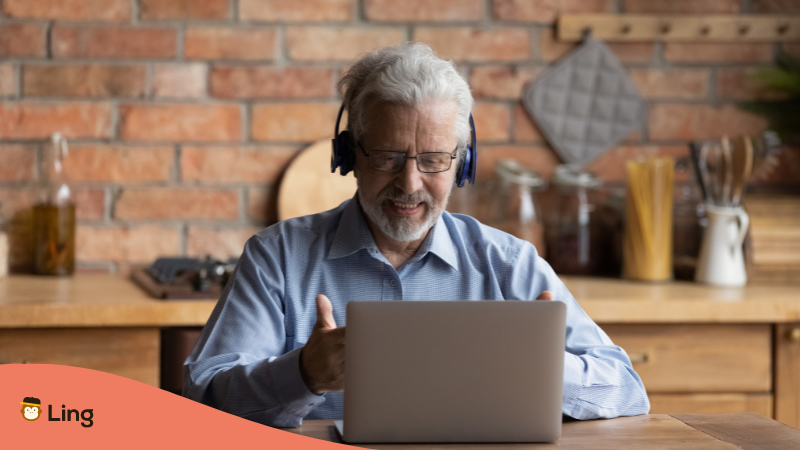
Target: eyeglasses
(392,161)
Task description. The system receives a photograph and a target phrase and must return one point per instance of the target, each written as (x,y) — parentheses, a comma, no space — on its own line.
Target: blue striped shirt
(247,359)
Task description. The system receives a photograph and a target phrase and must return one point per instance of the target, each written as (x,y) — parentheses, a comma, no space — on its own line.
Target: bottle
(54,215)
(3,245)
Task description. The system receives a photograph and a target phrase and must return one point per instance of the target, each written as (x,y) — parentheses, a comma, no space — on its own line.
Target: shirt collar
(353,234)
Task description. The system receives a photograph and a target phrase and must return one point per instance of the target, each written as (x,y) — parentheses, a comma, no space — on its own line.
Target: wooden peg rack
(695,28)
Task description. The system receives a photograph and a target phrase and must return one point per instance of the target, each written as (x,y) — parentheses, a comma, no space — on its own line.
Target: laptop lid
(467,371)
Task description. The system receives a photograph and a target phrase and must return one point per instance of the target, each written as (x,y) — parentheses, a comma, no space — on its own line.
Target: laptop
(465,371)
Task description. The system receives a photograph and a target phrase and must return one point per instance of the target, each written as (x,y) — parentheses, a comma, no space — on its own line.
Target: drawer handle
(637,358)
(795,334)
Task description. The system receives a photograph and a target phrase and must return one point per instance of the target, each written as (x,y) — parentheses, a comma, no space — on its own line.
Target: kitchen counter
(698,348)
(92,300)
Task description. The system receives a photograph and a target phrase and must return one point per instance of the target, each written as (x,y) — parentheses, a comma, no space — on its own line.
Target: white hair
(407,74)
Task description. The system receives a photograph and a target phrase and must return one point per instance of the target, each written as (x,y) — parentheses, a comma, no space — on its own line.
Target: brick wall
(182,114)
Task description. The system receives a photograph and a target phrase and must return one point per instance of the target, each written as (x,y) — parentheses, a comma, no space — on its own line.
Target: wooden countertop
(685,431)
(91,300)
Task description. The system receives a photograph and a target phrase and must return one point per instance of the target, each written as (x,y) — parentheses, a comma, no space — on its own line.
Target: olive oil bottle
(54,215)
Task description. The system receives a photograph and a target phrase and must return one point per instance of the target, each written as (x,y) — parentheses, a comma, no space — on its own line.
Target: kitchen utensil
(721,261)
(309,187)
(742,167)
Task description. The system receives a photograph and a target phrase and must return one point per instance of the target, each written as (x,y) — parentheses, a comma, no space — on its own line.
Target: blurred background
(182,116)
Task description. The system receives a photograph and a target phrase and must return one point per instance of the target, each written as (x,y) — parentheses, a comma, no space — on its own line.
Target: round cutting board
(309,187)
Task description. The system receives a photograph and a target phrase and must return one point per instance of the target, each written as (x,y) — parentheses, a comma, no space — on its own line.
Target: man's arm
(240,364)
(599,380)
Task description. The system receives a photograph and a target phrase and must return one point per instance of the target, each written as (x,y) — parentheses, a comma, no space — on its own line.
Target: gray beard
(402,229)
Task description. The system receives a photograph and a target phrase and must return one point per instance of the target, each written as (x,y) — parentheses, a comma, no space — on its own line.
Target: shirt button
(392,283)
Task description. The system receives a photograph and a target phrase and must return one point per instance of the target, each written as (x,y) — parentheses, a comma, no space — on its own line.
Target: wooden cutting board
(309,187)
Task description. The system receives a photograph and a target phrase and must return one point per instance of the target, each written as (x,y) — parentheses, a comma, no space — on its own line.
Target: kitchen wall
(182,114)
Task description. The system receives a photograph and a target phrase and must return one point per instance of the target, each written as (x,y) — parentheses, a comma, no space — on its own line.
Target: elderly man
(273,351)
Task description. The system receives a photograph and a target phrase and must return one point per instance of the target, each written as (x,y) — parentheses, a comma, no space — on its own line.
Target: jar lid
(568,175)
(512,171)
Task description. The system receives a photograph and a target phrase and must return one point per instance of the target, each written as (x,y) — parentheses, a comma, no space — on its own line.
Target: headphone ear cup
(464,172)
(344,156)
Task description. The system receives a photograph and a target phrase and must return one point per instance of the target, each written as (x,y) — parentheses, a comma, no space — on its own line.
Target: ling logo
(31,408)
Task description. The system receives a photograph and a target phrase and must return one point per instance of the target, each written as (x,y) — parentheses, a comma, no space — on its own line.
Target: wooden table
(654,431)
(698,348)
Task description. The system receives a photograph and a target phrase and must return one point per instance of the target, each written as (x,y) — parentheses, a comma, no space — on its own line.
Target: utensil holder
(721,260)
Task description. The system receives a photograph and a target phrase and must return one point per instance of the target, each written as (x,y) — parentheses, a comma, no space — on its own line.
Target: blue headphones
(343,154)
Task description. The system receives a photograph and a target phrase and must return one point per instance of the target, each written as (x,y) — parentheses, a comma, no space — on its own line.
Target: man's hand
(322,358)
(546,295)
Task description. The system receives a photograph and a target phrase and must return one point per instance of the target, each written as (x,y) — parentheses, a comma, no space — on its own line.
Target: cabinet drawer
(698,358)
(710,403)
(128,352)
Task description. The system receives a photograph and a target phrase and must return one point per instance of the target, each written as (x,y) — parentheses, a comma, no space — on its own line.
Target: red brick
(183,9)
(682,6)
(539,158)
(8,80)
(113,42)
(492,121)
(177,204)
(123,243)
(610,166)
(90,204)
(627,52)
(23,120)
(186,80)
(119,164)
(504,82)
(294,122)
(262,205)
(690,122)
(180,122)
(547,11)
(292,11)
(220,243)
(776,6)
(111,10)
(22,39)
(690,84)
(230,43)
(737,83)
(271,82)
(718,52)
(477,44)
(424,10)
(525,129)
(17,162)
(235,164)
(83,81)
(338,43)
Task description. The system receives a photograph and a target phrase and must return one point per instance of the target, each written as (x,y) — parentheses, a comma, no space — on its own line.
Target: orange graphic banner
(86,409)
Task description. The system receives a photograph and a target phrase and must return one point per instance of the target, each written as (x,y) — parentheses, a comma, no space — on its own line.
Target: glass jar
(514,205)
(54,215)
(576,229)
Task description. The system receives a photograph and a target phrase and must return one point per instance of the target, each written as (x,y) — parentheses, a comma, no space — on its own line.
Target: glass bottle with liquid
(54,215)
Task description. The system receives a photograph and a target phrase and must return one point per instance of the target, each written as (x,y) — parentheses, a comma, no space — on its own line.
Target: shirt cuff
(292,390)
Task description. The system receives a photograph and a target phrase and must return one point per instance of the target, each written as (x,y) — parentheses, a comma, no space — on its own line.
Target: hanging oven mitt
(585,104)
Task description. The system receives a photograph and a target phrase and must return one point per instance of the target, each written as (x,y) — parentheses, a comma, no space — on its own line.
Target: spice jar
(54,215)
(3,245)
(574,229)
(515,208)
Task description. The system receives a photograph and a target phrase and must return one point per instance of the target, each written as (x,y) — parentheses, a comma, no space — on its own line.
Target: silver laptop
(467,371)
